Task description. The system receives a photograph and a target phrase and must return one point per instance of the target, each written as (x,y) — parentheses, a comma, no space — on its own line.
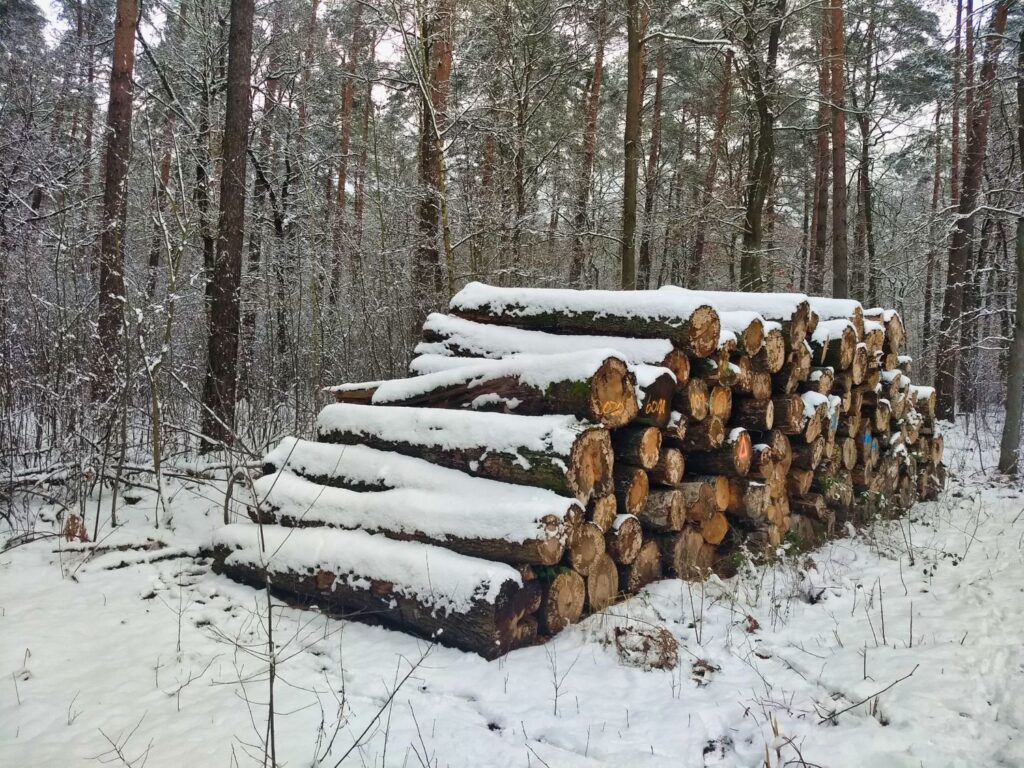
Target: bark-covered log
(833,343)
(624,539)
(705,435)
(639,446)
(593,385)
(509,528)
(554,452)
(747,498)
(719,485)
(756,384)
(656,388)
(808,455)
(791,310)
(789,414)
(602,584)
(798,481)
(451,336)
(859,367)
(752,414)
(459,601)
(733,458)
(700,499)
(685,555)
(642,571)
(691,325)
(631,488)
(665,510)
(669,469)
(564,596)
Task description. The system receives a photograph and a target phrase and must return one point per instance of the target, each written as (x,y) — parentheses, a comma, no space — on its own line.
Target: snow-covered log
(495,526)
(791,310)
(465,602)
(595,385)
(690,324)
(447,335)
(555,452)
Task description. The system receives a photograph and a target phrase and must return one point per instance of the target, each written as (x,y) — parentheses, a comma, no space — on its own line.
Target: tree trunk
(708,190)
(631,141)
(840,258)
(578,254)
(933,255)
(819,241)
(222,349)
(644,264)
(948,360)
(115,198)
(1009,446)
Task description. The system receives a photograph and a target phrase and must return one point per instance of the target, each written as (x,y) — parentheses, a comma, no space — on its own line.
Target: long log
(595,385)
(554,452)
(705,435)
(752,414)
(472,604)
(448,335)
(692,326)
(507,528)
(733,458)
(833,343)
(639,446)
(665,510)
(791,310)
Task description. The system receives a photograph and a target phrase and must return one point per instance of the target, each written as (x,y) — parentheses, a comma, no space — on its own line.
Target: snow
(829,330)
(539,371)
(832,309)
(812,400)
(454,430)
(494,341)
(772,306)
(436,513)
(168,659)
(918,393)
(872,326)
(527,302)
(431,575)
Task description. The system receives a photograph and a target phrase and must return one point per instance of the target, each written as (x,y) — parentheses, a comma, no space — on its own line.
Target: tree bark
(578,254)
(1009,445)
(631,141)
(650,191)
(948,360)
(708,190)
(840,257)
(224,321)
(819,241)
(115,198)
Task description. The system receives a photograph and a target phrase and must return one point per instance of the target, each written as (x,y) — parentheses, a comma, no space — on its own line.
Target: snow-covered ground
(901,645)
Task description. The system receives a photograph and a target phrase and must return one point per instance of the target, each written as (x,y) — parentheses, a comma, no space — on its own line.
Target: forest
(212,209)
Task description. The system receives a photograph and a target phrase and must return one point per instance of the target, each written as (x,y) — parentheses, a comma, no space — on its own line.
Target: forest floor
(899,645)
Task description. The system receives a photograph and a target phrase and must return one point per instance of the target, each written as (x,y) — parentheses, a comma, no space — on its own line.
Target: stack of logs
(592,442)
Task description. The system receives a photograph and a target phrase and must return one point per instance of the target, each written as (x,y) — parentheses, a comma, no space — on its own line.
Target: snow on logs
(595,385)
(691,324)
(466,602)
(559,453)
(739,419)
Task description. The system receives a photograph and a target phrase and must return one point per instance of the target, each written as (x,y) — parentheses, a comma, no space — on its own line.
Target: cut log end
(704,328)
(590,469)
(613,394)
(602,584)
(564,598)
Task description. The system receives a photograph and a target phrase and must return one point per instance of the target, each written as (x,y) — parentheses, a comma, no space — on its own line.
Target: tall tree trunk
(840,257)
(160,195)
(819,242)
(307,59)
(1009,445)
(577,256)
(759,175)
(707,193)
(650,192)
(948,362)
(358,204)
(436,63)
(115,197)
(933,248)
(954,160)
(345,123)
(631,141)
(222,349)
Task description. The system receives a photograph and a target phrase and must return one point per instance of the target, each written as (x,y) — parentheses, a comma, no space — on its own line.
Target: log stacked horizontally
(554,451)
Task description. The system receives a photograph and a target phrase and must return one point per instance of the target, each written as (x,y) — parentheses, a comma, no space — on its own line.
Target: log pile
(555,451)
